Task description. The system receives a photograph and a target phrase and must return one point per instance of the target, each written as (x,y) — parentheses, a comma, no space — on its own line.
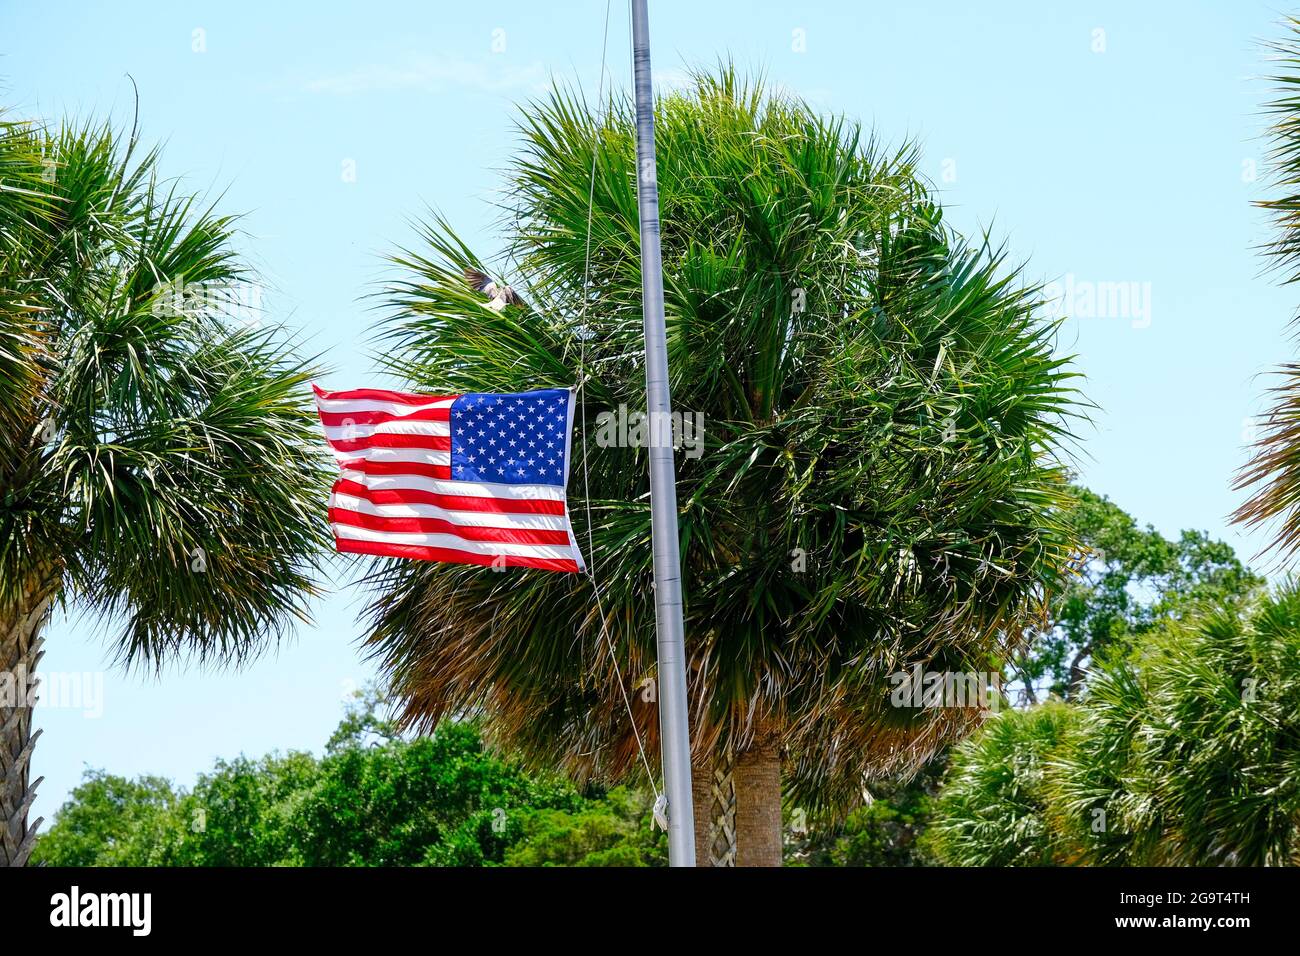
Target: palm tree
(1273,473)
(877,487)
(158,467)
(1188,751)
(1182,753)
(993,808)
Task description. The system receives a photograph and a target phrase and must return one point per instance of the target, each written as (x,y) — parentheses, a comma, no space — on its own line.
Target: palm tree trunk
(714,794)
(1078,673)
(758,803)
(20,653)
(702,797)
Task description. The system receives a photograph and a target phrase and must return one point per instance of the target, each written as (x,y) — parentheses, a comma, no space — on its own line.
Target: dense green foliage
(1192,748)
(992,809)
(375,798)
(615,831)
(1185,752)
(440,800)
(113,821)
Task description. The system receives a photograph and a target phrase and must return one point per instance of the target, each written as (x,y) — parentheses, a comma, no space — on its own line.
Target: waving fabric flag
(470,479)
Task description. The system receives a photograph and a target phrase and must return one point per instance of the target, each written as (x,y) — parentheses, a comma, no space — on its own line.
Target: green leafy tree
(244,813)
(113,821)
(615,831)
(1131,579)
(879,484)
(374,799)
(442,800)
(161,466)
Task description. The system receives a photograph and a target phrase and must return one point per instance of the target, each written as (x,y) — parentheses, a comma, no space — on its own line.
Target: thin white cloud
(435,74)
(430,75)
(672,80)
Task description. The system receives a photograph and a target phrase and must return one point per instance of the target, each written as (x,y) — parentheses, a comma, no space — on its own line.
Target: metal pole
(674,734)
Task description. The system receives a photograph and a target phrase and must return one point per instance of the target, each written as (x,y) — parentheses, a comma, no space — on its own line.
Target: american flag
(477,478)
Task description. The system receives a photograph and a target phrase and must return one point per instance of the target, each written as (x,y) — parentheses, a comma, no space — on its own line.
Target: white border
(568,459)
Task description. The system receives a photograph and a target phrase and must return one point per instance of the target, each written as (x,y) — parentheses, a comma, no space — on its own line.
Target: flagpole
(674,733)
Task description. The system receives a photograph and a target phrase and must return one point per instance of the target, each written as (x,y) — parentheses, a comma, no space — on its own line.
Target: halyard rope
(582,417)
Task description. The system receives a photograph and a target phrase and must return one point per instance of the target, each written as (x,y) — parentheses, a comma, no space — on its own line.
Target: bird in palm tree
(499,295)
(877,489)
(159,466)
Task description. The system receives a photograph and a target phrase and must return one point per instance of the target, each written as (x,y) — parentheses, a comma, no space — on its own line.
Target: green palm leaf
(1273,474)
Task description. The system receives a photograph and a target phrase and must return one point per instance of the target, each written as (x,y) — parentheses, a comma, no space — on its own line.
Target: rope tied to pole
(661,802)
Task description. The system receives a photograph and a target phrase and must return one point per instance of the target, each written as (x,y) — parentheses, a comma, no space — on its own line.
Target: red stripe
(423,469)
(382,395)
(421,553)
(414,496)
(378,418)
(406,525)
(393,440)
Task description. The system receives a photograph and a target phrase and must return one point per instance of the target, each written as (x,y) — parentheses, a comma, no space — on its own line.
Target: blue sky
(1102,158)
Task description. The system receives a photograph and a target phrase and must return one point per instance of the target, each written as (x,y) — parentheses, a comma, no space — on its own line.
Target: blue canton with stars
(516,439)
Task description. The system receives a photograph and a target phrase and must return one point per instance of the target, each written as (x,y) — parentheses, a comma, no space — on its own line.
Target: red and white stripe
(395,495)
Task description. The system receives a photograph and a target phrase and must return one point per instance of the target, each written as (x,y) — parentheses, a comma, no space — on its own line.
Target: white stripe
(477,519)
(358,431)
(473,489)
(347,405)
(489,548)
(425,456)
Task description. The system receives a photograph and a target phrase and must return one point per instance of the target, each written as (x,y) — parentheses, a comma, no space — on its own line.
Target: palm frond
(1272,476)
